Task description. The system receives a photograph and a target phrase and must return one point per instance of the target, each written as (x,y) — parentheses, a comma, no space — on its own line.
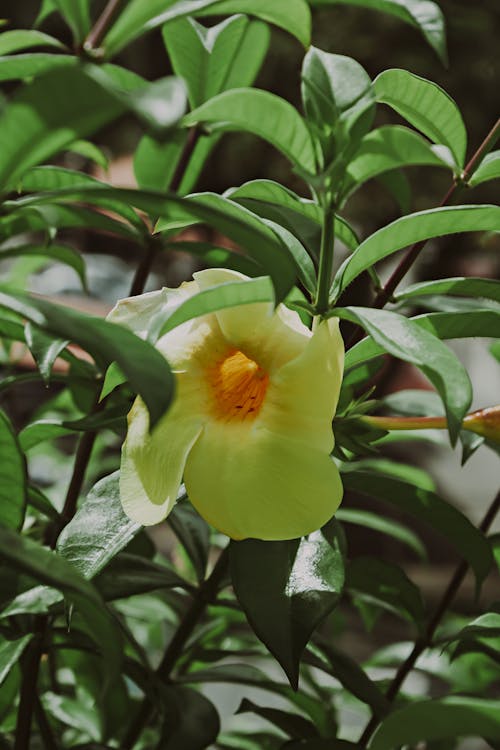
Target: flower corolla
(250,426)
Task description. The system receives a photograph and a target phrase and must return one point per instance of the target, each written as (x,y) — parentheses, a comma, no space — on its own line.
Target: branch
(206,594)
(101,26)
(426,640)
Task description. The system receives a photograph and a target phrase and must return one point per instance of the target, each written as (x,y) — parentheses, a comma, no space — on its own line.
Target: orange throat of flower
(238,387)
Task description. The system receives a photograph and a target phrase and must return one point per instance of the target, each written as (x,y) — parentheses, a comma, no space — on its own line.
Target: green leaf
(468,542)
(194,535)
(292,724)
(263,114)
(323,745)
(73,712)
(59,253)
(45,349)
(404,339)
(292,15)
(215,256)
(146,369)
(32,65)
(489,169)
(484,626)
(45,566)
(10,653)
(458,286)
(222,57)
(454,325)
(44,429)
(76,13)
(12,477)
(425,16)
(226,295)
(20,39)
(287,588)
(99,530)
(129,575)
(348,672)
(387,148)
(155,160)
(416,227)
(386,526)
(89,151)
(438,719)
(386,585)
(426,106)
(42,119)
(191,721)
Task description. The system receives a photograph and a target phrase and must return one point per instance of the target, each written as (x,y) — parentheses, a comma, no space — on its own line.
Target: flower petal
(152,465)
(252,483)
(302,396)
(269,339)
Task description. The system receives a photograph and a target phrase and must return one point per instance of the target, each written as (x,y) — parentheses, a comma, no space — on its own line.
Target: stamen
(239,387)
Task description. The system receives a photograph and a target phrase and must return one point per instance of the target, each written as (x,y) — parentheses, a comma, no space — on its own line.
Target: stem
(385,294)
(46,732)
(484,422)
(28,695)
(101,26)
(426,640)
(206,594)
(325,259)
(144,267)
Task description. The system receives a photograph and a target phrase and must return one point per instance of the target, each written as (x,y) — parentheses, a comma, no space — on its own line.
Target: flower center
(239,386)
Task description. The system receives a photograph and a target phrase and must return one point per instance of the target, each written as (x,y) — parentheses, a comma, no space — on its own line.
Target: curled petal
(250,483)
(152,464)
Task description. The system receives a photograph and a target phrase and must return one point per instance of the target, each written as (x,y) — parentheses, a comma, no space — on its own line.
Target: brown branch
(102,25)
(206,594)
(426,640)
(385,294)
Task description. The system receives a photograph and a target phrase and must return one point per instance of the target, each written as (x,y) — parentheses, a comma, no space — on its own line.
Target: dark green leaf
(44,429)
(404,339)
(99,530)
(12,477)
(287,588)
(59,253)
(459,286)
(292,15)
(263,114)
(146,369)
(383,525)
(10,653)
(293,725)
(191,721)
(468,542)
(128,575)
(438,719)
(45,349)
(386,585)
(194,535)
(426,106)
(48,568)
(423,225)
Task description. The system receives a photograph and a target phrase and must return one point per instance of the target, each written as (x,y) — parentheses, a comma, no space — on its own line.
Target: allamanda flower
(250,427)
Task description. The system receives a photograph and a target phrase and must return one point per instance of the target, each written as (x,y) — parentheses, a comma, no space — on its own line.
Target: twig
(385,294)
(206,594)
(101,26)
(46,732)
(426,640)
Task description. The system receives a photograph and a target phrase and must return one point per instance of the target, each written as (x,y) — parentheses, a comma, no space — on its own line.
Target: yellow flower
(250,427)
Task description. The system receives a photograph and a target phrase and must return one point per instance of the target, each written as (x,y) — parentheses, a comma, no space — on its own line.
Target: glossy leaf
(386,526)
(438,719)
(12,477)
(26,556)
(292,15)
(263,114)
(42,119)
(292,724)
(489,169)
(423,225)
(129,575)
(468,542)
(10,653)
(459,286)
(442,325)
(194,535)
(146,369)
(222,57)
(387,148)
(99,530)
(287,588)
(33,65)
(423,14)
(404,339)
(21,39)
(426,106)
(191,720)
